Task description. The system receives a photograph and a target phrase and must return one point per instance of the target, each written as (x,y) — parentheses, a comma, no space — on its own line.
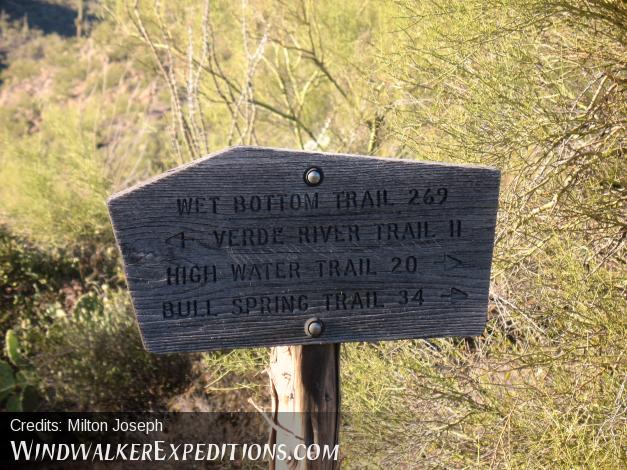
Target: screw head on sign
(313,327)
(313,176)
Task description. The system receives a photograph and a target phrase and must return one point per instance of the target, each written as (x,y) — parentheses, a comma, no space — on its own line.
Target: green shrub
(544,387)
(31,276)
(91,358)
(53,187)
(17,389)
(75,126)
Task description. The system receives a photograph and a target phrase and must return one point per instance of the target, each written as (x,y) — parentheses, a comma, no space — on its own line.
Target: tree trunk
(304,382)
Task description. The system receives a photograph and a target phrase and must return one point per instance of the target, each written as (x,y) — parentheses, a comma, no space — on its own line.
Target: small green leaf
(14,403)
(89,305)
(7,382)
(30,398)
(12,346)
(23,378)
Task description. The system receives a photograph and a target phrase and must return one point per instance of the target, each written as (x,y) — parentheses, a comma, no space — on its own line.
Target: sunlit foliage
(535,88)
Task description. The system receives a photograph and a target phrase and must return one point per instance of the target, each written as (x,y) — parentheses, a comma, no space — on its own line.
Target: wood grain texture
(235,250)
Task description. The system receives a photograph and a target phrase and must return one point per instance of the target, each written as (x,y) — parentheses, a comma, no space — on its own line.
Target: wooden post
(79,18)
(305,387)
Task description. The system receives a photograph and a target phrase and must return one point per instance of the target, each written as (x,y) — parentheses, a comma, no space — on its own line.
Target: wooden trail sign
(266,247)
(260,247)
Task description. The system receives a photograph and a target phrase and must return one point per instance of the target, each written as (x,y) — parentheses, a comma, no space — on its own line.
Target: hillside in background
(96,96)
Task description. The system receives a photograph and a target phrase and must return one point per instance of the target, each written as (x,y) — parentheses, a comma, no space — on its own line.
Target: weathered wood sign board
(243,247)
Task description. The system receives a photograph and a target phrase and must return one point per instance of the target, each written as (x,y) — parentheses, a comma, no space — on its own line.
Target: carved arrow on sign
(178,239)
(450,262)
(456,295)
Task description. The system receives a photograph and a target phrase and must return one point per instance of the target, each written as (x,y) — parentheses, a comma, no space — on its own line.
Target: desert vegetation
(129,88)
